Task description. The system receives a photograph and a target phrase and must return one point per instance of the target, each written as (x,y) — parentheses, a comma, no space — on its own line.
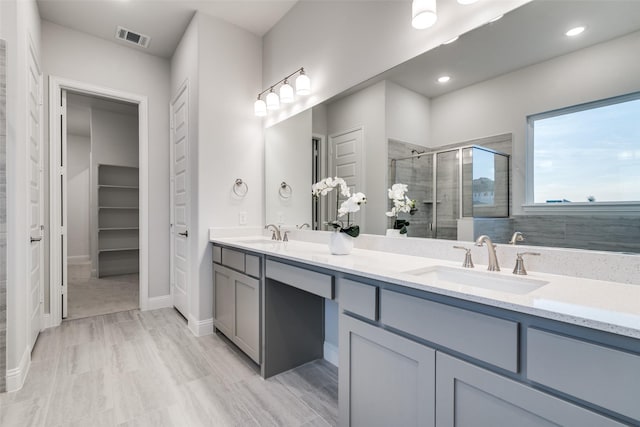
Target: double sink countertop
(597,304)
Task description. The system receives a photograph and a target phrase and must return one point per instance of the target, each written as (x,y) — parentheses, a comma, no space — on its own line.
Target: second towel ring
(285,190)
(240,188)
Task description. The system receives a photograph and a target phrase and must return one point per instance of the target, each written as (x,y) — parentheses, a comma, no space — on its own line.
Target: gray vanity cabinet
(385,380)
(236,300)
(467,395)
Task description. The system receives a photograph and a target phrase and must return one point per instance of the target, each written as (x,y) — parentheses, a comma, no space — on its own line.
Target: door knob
(185,234)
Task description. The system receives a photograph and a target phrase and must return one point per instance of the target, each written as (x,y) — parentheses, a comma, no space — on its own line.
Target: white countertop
(607,306)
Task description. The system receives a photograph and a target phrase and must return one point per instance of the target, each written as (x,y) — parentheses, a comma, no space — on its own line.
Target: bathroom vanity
(425,342)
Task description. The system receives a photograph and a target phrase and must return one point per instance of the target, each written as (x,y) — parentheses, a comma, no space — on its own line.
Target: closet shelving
(118,220)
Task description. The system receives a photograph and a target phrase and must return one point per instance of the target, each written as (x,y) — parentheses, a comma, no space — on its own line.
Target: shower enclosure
(450,185)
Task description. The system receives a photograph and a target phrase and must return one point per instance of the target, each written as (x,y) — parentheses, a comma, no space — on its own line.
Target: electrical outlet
(280,217)
(242,218)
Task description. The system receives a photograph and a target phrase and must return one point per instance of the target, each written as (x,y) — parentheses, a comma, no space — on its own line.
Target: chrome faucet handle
(468,263)
(273,235)
(517,237)
(285,238)
(519,268)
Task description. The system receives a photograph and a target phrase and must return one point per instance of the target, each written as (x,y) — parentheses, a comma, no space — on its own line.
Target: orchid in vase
(401,203)
(347,207)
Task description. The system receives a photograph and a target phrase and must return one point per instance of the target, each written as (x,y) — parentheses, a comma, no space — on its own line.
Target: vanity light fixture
(272,101)
(574,31)
(423,13)
(443,79)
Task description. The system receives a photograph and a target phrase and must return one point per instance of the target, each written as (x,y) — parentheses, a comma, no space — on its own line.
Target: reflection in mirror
(502,73)
(288,156)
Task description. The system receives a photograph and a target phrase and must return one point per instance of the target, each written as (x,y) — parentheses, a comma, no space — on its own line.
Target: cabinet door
(247,316)
(224,300)
(467,395)
(385,380)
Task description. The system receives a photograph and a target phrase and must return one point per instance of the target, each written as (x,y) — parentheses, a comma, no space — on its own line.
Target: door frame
(56,86)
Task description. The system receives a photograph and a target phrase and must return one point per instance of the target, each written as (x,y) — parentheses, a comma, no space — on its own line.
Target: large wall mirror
(465,145)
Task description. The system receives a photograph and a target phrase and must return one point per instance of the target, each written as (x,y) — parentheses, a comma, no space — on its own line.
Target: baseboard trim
(155,303)
(17,376)
(200,328)
(331,353)
(78,259)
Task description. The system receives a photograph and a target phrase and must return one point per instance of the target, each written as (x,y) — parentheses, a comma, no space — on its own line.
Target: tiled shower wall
(3,216)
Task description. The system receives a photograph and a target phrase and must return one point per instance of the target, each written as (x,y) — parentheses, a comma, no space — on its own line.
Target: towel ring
(285,190)
(240,188)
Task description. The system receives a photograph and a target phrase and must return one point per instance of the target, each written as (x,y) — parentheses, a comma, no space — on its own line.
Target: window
(588,153)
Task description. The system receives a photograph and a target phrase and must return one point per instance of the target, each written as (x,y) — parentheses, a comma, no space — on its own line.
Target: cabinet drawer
(309,281)
(233,259)
(477,335)
(358,298)
(252,265)
(600,375)
(217,254)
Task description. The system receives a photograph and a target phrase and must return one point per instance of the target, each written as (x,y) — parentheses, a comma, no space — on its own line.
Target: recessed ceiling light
(451,40)
(496,18)
(575,31)
(443,79)
(467,1)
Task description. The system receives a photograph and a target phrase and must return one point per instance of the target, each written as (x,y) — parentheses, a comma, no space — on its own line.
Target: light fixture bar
(299,70)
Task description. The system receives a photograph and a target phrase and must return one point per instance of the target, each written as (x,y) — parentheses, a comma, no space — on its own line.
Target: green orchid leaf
(353,231)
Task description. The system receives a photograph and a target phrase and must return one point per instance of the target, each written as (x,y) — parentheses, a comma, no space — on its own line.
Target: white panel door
(180,200)
(34,135)
(346,162)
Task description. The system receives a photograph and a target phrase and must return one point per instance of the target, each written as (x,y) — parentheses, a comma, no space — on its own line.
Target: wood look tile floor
(90,296)
(138,368)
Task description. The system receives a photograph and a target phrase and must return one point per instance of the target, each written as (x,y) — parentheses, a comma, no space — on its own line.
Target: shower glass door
(447,192)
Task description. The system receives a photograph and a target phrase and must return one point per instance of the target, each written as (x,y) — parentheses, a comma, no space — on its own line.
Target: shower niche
(460,191)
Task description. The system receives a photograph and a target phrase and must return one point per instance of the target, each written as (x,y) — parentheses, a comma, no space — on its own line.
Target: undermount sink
(440,275)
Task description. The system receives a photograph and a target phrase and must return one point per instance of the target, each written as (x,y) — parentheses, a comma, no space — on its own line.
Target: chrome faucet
(301,227)
(493,260)
(275,233)
(517,237)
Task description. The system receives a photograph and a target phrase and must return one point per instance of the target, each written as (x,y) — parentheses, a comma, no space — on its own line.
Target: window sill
(598,208)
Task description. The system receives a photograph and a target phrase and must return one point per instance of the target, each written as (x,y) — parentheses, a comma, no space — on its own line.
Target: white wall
(81,57)
(78,196)
(366,109)
(287,159)
(341,44)
(114,138)
(227,142)
(408,115)
(502,104)
(20,28)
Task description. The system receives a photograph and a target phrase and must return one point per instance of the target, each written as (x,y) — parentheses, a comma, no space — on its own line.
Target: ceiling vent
(131,37)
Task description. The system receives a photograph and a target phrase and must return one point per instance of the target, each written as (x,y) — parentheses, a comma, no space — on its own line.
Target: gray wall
(3,217)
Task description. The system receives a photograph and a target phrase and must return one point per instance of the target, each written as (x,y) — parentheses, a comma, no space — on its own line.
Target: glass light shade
(260,108)
(303,85)
(286,93)
(423,14)
(273,102)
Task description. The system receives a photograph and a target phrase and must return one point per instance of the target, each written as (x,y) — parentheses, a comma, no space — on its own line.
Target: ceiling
(163,20)
(525,36)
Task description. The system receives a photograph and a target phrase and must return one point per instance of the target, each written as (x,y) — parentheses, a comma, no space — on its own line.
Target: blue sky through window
(594,152)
